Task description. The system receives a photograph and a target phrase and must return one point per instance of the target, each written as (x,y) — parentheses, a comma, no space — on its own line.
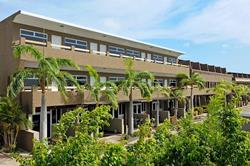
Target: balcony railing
(73,48)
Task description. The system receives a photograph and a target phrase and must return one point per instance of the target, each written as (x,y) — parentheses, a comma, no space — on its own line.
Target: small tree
(134,79)
(80,120)
(100,89)
(177,94)
(48,70)
(12,119)
(230,144)
(160,90)
(194,81)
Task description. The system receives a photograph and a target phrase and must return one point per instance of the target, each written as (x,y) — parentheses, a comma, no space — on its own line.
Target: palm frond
(17,81)
(128,64)
(93,73)
(67,63)
(144,75)
(27,49)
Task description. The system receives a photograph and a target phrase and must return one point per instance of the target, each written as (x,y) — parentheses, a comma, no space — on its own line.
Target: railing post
(91,51)
(49,44)
(22,41)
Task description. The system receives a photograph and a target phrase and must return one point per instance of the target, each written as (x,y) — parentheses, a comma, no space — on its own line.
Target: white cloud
(224,20)
(218,20)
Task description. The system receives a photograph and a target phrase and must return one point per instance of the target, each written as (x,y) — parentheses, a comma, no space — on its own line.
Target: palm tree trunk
(130,114)
(43,114)
(176,108)
(184,108)
(97,125)
(157,113)
(192,100)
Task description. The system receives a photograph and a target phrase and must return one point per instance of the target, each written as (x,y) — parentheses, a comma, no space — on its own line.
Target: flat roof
(31,19)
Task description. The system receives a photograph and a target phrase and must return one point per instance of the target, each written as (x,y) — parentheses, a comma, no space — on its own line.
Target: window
(116,50)
(133,53)
(74,42)
(116,79)
(207,85)
(172,83)
(154,105)
(81,79)
(31,81)
(172,60)
(121,109)
(159,81)
(32,35)
(157,57)
(137,108)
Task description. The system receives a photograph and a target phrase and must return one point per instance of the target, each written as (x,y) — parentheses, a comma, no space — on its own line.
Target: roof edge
(97,31)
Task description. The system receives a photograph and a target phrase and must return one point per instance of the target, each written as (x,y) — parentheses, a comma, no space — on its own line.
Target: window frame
(117,50)
(33,36)
(134,53)
(76,42)
(117,78)
(157,57)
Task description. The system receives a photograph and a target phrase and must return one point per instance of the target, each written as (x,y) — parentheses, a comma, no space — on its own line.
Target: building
(241,78)
(105,52)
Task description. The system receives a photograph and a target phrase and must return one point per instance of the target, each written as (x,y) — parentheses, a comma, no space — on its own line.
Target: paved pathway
(5,160)
(246,111)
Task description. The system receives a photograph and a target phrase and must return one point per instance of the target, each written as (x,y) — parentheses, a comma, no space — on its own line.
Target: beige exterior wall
(213,76)
(106,65)
(8,64)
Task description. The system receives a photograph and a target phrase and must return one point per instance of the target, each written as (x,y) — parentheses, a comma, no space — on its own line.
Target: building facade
(106,53)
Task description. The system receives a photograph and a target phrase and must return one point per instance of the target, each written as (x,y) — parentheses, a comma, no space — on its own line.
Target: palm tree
(100,89)
(48,70)
(12,119)
(177,94)
(134,79)
(160,90)
(194,81)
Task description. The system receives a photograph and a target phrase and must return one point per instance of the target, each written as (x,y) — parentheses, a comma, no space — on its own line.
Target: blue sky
(210,31)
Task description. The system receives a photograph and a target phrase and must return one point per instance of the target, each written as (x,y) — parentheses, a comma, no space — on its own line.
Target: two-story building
(106,53)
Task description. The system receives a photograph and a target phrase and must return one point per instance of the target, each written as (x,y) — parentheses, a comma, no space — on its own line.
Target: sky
(215,32)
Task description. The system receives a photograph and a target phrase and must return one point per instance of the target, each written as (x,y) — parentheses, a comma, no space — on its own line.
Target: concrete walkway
(5,160)
(245,111)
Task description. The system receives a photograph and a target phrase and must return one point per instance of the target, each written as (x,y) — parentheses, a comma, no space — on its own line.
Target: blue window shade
(116,50)
(133,53)
(31,82)
(157,58)
(74,42)
(32,35)
(172,60)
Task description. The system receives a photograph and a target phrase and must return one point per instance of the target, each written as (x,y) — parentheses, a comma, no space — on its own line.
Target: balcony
(30,99)
(104,60)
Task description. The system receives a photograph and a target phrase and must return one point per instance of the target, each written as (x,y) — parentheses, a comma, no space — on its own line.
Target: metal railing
(73,48)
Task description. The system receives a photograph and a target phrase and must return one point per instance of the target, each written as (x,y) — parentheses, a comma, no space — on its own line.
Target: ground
(5,160)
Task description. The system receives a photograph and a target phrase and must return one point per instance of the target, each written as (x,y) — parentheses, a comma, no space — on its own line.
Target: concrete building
(105,52)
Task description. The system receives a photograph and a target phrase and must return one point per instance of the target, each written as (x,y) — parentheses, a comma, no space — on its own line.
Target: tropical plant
(81,120)
(100,89)
(160,90)
(231,145)
(133,80)
(177,94)
(48,70)
(194,80)
(12,119)
(115,154)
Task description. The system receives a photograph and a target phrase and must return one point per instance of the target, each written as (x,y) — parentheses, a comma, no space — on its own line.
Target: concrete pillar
(126,117)
(199,100)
